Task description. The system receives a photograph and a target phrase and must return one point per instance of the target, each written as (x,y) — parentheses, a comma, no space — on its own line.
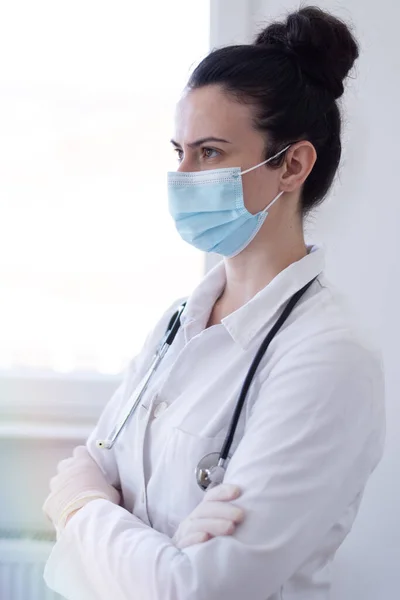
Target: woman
(258,144)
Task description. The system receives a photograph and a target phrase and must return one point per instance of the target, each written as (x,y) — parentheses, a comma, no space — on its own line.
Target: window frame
(33,399)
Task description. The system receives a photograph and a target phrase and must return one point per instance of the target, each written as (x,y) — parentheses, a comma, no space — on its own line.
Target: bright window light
(89,256)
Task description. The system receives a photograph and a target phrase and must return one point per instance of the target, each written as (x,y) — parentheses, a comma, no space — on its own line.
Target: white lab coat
(309,437)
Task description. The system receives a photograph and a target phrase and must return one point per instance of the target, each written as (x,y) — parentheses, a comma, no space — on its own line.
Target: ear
(299,161)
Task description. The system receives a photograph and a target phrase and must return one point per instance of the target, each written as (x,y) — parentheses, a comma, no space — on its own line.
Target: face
(214,131)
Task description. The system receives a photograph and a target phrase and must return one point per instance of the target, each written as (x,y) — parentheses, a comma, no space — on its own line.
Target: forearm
(107,552)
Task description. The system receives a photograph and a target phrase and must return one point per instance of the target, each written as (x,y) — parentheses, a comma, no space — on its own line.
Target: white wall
(360,227)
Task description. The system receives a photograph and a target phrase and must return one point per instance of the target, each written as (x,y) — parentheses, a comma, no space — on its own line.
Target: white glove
(214,516)
(79,480)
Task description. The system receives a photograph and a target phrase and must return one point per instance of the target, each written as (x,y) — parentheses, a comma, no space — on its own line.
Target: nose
(186,167)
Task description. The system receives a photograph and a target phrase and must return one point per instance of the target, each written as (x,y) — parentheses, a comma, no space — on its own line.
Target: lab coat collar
(246,322)
(262,310)
(199,305)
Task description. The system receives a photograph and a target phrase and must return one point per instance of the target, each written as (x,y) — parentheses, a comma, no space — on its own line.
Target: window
(89,256)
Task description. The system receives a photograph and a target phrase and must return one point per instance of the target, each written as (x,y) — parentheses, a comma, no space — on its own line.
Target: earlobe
(299,162)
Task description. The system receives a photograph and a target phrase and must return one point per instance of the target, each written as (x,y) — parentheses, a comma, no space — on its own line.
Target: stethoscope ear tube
(174,325)
(172,330)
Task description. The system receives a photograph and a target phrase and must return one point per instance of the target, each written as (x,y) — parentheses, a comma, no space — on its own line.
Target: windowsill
(18,430)
(48,398)
(45,374)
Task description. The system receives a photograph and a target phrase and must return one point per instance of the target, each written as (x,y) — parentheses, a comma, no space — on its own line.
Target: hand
(214,516)
(79,480)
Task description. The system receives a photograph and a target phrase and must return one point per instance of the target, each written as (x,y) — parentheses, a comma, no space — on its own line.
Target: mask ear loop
(273,202)
(266,161)
(263,163)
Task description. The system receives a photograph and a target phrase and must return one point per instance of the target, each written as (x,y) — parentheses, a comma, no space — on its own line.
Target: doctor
(258,144)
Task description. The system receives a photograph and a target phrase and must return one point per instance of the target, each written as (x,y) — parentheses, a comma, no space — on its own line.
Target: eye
(210,152)
(179,153)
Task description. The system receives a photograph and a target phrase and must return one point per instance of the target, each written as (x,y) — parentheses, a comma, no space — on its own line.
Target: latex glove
(214,516)
(79,480)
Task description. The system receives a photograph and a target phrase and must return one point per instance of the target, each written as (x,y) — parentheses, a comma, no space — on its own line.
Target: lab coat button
(159,409)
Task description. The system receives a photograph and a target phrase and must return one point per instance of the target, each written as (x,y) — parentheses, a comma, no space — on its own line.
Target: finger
(79,457)
(217,527)
(219,510)
(56,483)
(64,464)
(72,461)
(212,526)
(191,540)
(224,491)
(76,464)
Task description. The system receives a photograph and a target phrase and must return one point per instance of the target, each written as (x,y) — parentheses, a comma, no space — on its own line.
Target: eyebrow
(201,141)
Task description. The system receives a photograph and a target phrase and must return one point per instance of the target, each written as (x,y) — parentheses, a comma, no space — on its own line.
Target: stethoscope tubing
(173,327)
(226,446)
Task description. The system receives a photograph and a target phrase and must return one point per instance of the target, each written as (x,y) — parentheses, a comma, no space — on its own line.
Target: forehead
(209,111)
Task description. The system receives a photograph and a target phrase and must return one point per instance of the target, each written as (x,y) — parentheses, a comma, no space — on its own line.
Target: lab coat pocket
(184,451)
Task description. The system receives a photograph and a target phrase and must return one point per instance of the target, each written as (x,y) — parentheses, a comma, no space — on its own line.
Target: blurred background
(89,257)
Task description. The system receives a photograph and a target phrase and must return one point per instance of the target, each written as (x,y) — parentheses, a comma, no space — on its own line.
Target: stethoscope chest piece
(208,472)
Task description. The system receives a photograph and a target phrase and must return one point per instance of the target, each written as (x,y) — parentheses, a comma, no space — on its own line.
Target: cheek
(259,189)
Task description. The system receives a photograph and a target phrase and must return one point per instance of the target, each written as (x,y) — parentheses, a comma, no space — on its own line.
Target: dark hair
(293,74)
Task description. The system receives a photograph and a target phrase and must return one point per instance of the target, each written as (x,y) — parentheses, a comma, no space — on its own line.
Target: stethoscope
(211,468)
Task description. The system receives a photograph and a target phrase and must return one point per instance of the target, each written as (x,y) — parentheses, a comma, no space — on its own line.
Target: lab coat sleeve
(114,407)
(312,440)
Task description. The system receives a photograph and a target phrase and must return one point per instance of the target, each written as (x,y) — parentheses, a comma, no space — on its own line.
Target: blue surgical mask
(209,212)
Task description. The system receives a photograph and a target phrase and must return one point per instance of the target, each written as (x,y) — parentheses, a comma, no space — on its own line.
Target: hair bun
(323,46)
